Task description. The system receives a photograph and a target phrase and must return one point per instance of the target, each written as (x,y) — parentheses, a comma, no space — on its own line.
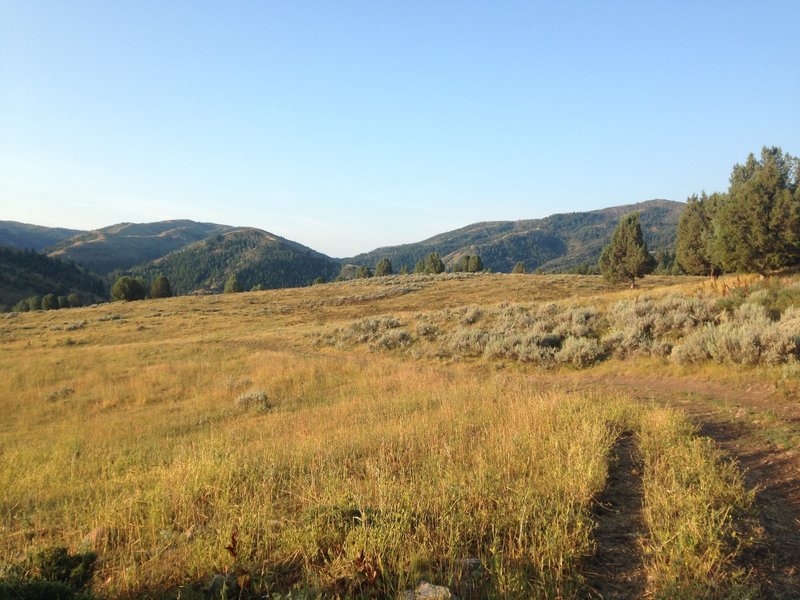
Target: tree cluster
(754,226)
(468,264)
(431,264)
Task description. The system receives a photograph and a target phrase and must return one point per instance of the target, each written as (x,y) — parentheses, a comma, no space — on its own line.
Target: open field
(507,436)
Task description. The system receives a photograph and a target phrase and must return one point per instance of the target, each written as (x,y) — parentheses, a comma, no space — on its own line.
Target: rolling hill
(25,273)
(33,237)
(125,245)
(557,242)
(255,256)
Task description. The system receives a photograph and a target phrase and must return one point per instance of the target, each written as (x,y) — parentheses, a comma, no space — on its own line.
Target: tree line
(753,227)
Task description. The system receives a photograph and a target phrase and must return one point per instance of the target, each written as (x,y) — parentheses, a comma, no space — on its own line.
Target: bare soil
(615,570)
(757,426)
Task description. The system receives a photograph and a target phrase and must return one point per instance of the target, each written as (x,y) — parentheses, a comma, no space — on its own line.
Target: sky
(351,125)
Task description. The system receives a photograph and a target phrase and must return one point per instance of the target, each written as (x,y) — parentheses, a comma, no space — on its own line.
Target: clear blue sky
(349,125)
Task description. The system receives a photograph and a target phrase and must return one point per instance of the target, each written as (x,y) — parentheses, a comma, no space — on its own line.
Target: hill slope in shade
(33,237)
(125,245)
(26,273)
(558,242)
(255,256)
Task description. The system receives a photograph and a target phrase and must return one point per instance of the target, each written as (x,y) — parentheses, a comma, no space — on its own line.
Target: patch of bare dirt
(725,413)
(615,571)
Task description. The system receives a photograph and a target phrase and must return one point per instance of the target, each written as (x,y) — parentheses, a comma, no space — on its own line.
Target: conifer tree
(475,264)
(694,243)
(232,285)
(626,257)
(126,289)
(384,267)
(160,288)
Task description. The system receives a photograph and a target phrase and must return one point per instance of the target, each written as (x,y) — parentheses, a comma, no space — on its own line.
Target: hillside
(255,256)
(25,273)
(124,245)
(33,237)
(557,242)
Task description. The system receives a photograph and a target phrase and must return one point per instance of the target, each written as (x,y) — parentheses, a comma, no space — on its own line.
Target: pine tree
(519,268)
(232,285)
(626,257)
(475,264)
(363,272)
(126,289)
(161,288)
(756,226)
(50,302)
(384,267)
(433,263)
(694,243)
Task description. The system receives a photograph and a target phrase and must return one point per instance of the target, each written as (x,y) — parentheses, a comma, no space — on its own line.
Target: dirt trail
(751,425)
(618,513)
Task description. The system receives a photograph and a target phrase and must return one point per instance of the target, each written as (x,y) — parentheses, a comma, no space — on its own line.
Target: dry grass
(349,473)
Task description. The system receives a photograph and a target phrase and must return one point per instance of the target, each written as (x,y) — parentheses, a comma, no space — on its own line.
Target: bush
(580,351)
(256,399)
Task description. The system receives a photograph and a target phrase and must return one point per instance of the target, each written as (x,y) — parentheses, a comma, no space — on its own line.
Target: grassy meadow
(354,439)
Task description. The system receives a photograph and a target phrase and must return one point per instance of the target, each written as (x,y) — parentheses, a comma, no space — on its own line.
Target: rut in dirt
(774,559)
(616,570)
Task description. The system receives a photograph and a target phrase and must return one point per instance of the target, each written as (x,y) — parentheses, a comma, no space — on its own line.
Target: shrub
(256,399)
(580,351)
(393,338)
(469,342)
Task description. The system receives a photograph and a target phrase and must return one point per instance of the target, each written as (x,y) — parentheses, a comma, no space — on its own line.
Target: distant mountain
(25,273)
(125,245)
(32,237)
(558,242)
(255,256)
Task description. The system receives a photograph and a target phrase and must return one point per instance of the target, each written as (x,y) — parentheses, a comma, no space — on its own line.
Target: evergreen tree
(433,263)
(419,267)
(50,302)
(475,264)
(363,272)
(34,303)
(318,281)
(161,288)
(694,252)
(519,268)
(75,300)
(63,302)
(127,288)
(626,256)
(232,285)
(384,267)
(756,226)
(404,270)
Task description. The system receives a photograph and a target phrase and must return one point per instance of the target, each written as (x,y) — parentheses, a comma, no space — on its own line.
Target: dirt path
(759,427)
(618,513)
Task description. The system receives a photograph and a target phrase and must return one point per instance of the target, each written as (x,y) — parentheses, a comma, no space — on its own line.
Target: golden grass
(367,473)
